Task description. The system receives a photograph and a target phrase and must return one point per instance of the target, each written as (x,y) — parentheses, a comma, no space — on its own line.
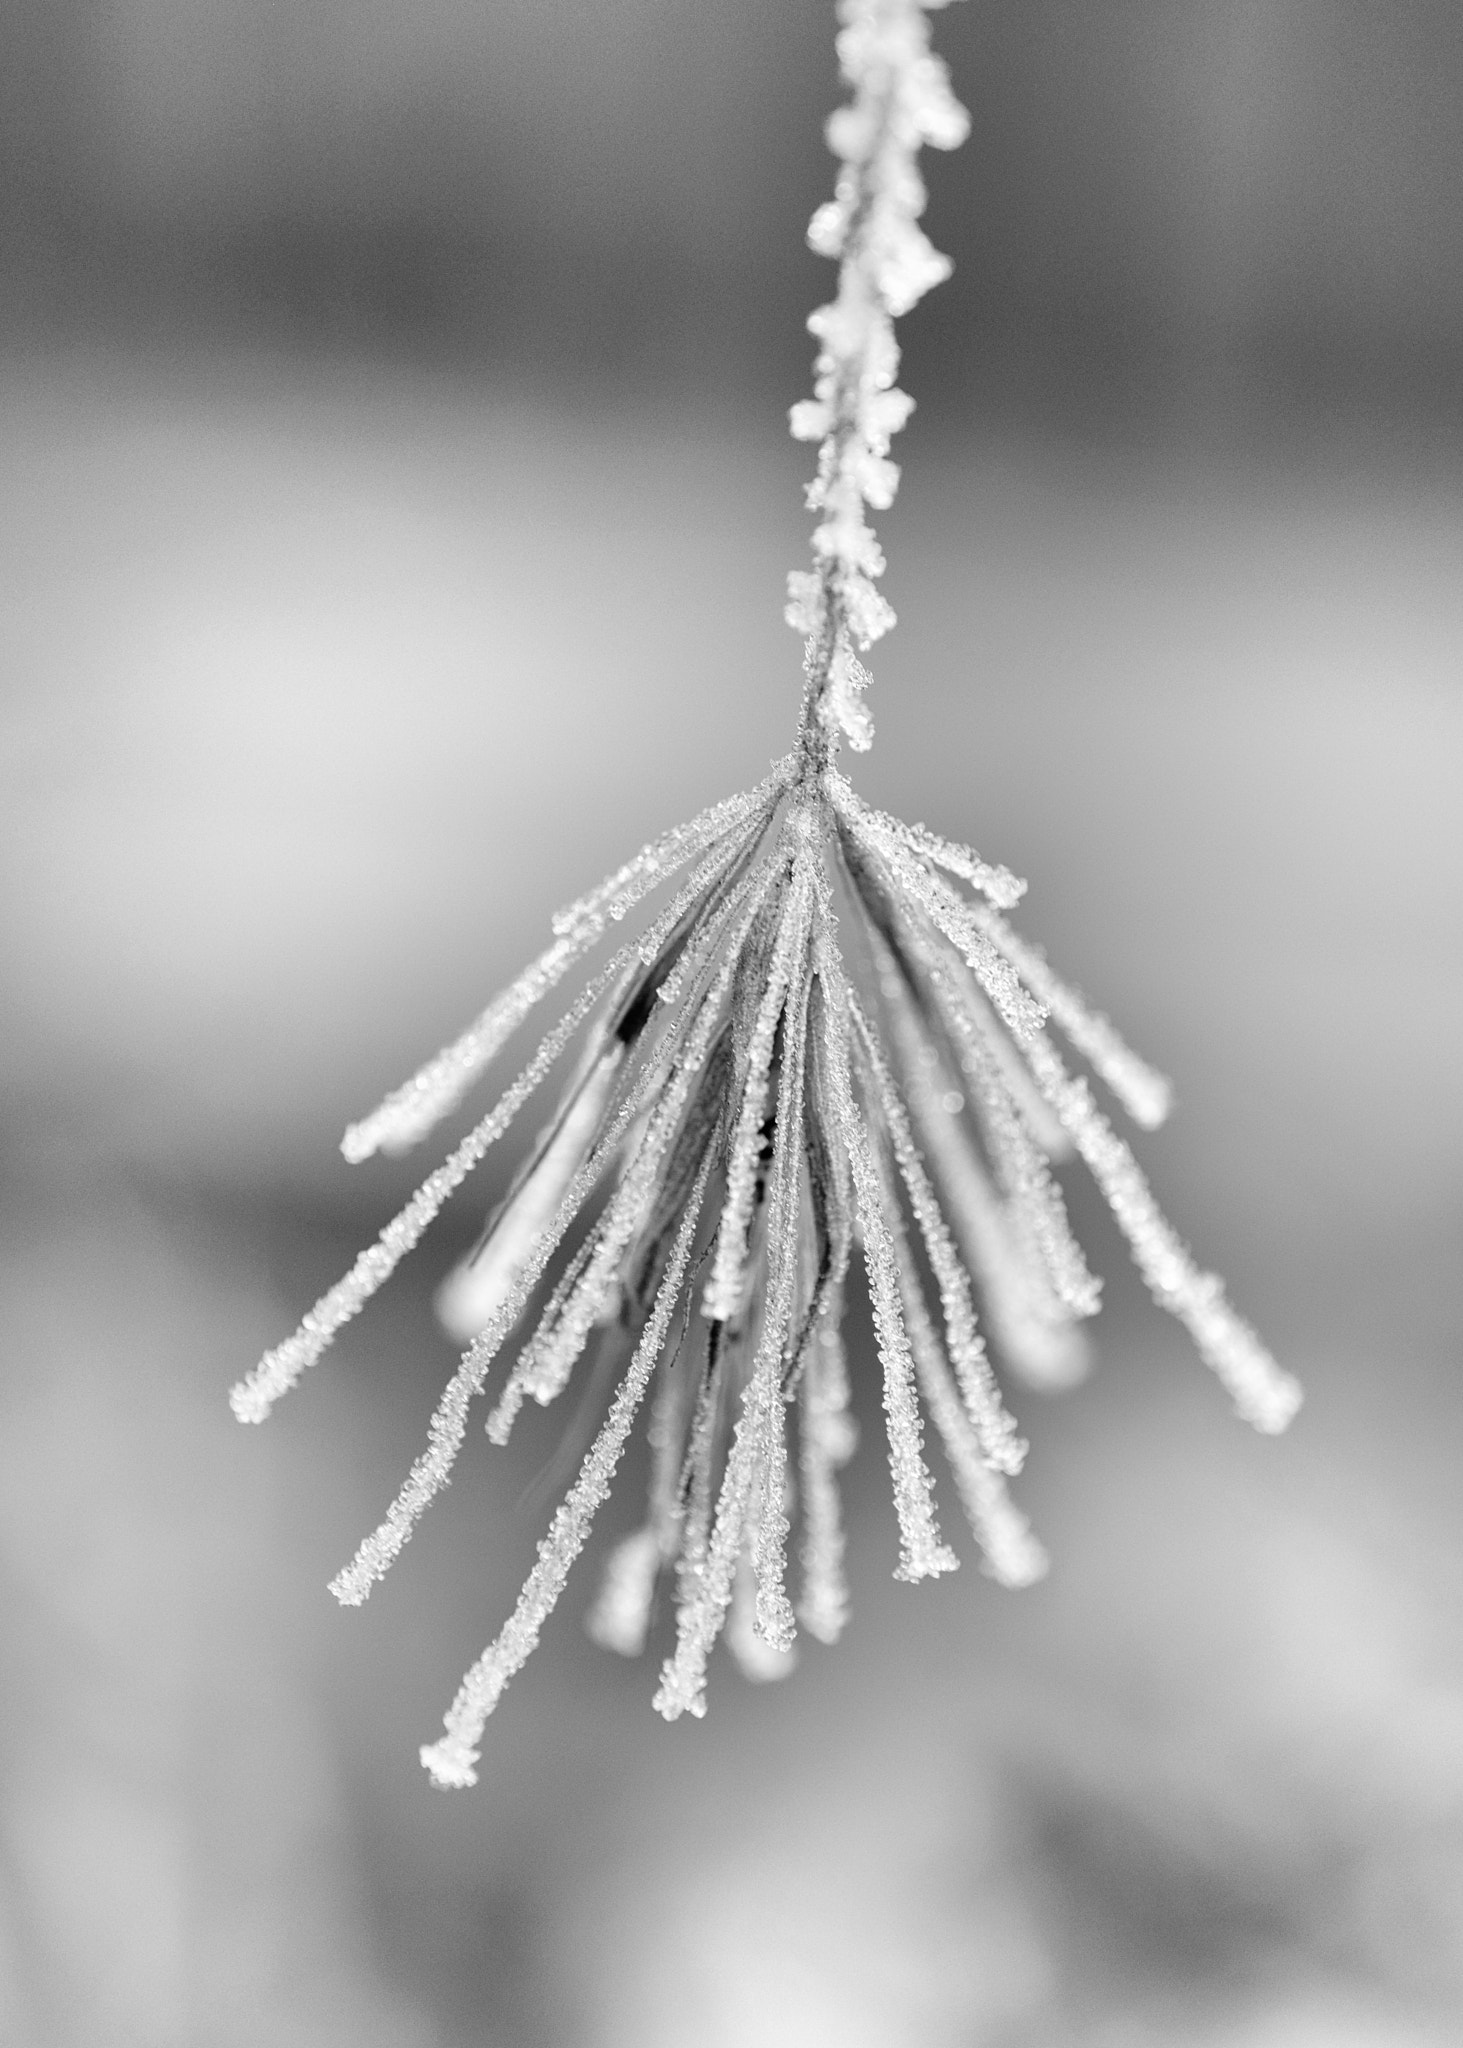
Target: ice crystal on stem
(828,1045)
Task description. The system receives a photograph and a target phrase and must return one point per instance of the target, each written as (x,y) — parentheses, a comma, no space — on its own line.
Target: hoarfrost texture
(829,1045)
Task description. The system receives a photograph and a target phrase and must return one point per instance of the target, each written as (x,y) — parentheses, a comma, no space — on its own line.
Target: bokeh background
(396,504)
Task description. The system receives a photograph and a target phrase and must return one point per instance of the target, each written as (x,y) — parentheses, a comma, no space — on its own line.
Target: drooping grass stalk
(830,1040)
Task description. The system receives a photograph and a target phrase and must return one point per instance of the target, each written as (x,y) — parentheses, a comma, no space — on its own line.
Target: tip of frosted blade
(1273,1409)
(447,1767)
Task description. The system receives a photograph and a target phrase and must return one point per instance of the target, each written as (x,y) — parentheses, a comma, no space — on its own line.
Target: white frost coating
(695,1519)
(757,1658)
(452,1758)
(1013,1555)
(724,1288)
(1036,1201)
(588,1286)
(996,882)
(547,1360)
(1030,1104)
(620,891)
(279,1369)
(411,1110)
(901,100)
(448,1426)
(1032,1331)
(917,885)
(707,1581)
(1263,1394)
(704,943)
(955,921)
(620,1617)
(922,1554)
(994,1426)
(770,1528)
(574,1268)
(543,1369)
(546,1363)
(473,1290)
(707,1591)
(1146,1094)
(432,1093)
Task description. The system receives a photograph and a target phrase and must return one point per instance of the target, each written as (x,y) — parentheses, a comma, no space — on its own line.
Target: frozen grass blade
(1021,1166)
(664,856)
(1013,1556)
(915,881)
(452,1758)
(993,1426)
(412,1110)
(1145,1094)
(756,1445)
(1264,1395)
(449,1423)
(279,1369)
(1032,1332)
(679,1061)
(922,1555)
(998,883)
(620,1617)
(724,1288)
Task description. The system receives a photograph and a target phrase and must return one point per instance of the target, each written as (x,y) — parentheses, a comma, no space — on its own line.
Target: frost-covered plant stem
(830,1044)
(901,99)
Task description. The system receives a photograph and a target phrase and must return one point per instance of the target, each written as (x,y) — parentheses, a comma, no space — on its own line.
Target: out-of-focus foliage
(1232,202)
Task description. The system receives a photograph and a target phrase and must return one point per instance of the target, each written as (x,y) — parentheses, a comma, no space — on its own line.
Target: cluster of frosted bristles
(828,1045)
(829,1040)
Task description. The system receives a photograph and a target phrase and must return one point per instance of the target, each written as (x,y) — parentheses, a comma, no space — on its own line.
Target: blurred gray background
(396,504)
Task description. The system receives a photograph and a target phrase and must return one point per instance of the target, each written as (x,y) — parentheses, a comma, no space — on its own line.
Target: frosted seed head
(758,1031)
